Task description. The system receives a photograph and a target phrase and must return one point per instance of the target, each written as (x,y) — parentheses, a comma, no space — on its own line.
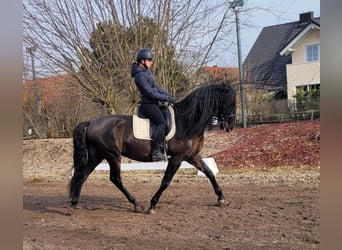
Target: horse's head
(227,108)
(194,112)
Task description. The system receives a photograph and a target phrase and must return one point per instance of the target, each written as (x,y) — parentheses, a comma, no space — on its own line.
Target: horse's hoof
(73,204)
(151,211)
(139,208)
(222,203)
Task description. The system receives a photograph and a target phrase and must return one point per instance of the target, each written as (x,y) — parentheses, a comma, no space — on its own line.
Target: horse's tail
(81,162)
(80,145)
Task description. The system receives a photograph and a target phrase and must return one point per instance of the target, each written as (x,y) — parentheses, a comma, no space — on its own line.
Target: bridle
(223,119)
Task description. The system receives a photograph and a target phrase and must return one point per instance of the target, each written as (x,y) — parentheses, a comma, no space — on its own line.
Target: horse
(111,137)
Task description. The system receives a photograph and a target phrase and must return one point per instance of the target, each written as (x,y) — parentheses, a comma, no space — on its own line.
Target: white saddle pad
(141,127)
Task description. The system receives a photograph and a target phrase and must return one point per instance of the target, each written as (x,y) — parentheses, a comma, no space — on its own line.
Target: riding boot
(158,144)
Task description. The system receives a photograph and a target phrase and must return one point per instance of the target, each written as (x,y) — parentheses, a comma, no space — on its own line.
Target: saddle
(144,129)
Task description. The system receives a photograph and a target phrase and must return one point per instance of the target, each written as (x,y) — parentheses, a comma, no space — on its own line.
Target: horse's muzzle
(228,123)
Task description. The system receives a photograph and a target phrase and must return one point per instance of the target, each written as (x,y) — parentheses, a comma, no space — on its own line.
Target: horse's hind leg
(198,162)
(80,175)
(115,178)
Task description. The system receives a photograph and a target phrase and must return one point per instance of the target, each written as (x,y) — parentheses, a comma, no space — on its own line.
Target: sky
(263,13)
(255,15)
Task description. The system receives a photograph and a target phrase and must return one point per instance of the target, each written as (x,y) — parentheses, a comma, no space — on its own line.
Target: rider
(150,95)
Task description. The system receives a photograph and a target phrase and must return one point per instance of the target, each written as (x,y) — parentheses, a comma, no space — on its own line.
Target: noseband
(224,118)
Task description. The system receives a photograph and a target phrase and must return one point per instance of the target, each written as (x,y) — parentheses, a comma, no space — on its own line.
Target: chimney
(305,17)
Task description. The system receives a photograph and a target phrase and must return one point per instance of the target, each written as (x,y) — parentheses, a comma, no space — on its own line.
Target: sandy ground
(262,213)
(266,209)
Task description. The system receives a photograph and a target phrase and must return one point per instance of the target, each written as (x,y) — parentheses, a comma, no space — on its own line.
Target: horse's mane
(194,111)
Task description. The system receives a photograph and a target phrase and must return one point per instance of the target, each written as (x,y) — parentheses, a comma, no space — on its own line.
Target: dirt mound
(286,144)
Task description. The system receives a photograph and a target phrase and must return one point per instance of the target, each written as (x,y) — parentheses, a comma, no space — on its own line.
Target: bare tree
(67,110)
(62,108)
(76,36)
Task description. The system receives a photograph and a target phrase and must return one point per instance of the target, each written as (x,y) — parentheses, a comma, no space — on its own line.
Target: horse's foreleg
(115,178)
(198,162)
(170,171)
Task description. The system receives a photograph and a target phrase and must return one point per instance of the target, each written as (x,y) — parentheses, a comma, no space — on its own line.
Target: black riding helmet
(144,53)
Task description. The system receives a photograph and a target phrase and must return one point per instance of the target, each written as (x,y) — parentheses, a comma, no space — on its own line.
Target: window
(307,97)
(312,52)
(311,87)
(306,92)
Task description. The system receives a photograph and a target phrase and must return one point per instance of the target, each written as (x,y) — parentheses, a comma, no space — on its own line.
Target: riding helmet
(144,53)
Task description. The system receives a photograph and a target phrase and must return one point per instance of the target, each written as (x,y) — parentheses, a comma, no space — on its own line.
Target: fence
(285,117)
(277,111)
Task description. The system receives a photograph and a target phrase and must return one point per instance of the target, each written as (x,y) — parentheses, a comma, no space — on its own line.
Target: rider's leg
(158,143)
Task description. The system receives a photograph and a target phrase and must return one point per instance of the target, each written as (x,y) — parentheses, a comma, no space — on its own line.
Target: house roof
(265,64)
(288,49)
(48,88)
(219,73)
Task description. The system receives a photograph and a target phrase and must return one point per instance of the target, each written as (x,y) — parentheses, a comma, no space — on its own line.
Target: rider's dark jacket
(148,89)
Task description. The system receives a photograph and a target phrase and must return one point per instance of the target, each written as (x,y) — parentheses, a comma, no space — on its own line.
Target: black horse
(110,137)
